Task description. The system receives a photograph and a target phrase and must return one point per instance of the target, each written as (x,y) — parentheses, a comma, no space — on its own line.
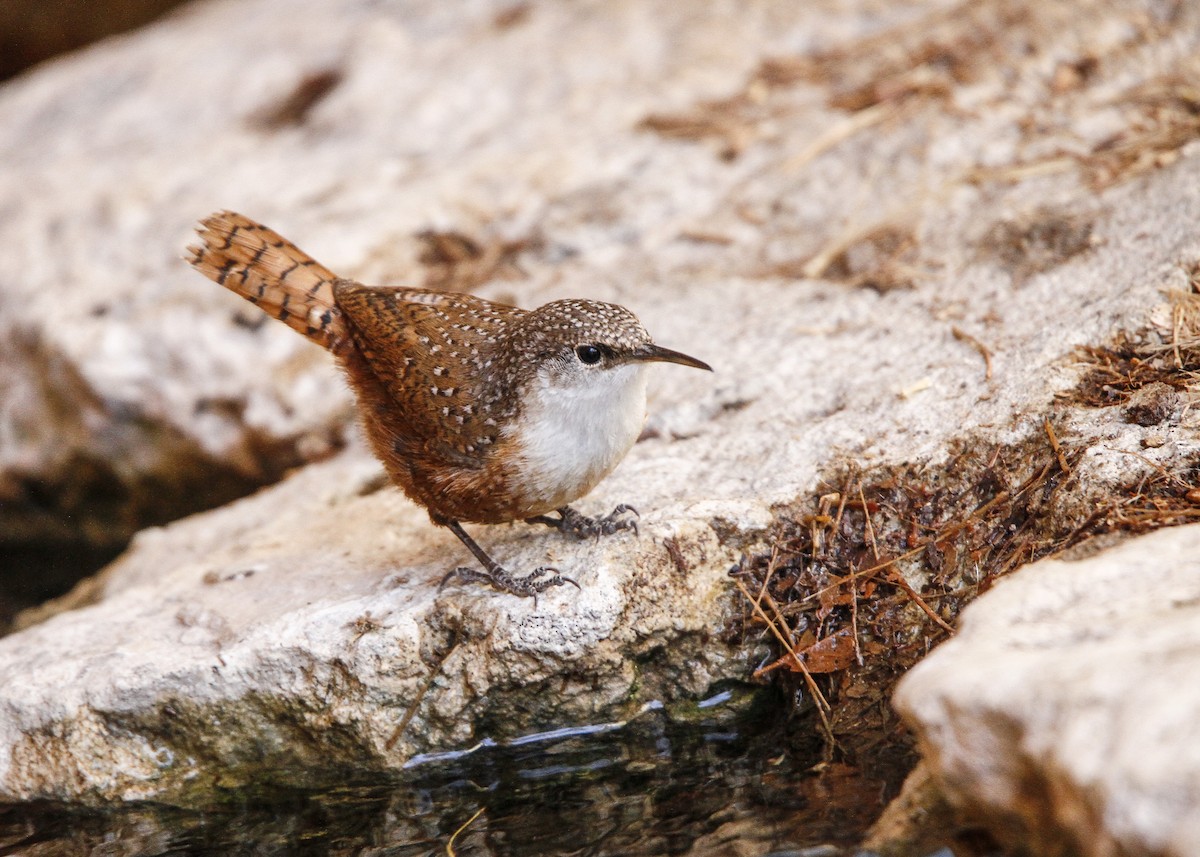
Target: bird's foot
(580,526)
(530,586)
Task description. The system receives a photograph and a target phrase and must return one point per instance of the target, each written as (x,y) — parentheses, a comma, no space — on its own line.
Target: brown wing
(430,351)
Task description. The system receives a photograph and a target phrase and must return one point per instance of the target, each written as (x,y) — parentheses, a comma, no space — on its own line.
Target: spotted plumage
(479,411)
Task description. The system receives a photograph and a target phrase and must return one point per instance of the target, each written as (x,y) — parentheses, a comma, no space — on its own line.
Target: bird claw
(574,524)
(529,586)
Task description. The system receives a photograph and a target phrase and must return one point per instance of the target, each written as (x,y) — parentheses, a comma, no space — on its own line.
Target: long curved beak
(657,354)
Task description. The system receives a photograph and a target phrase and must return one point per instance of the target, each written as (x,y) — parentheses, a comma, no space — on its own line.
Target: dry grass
(862,580)
(1037,241)
(1161,116)
(455,262)
(731,124)
(1164,115)
(1168,355)
(928,58)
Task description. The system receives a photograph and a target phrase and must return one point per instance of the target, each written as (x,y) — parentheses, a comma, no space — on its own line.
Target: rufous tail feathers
(271,272)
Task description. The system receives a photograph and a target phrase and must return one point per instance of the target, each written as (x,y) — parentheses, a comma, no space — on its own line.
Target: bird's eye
(589,354)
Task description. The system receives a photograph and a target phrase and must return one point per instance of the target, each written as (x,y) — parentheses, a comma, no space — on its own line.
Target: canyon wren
(479,411)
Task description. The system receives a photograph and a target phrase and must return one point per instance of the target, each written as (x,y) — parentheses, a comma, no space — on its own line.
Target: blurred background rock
(35,30)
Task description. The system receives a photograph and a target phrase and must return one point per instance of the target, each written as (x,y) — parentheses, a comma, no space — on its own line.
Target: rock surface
(1065,715)
(850,231)
(297,630)
(34,30)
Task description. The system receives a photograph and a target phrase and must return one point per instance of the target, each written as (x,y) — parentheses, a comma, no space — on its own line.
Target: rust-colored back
(266,269)
(436,354)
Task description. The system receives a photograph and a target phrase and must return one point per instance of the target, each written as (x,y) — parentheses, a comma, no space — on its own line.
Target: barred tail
(268,270)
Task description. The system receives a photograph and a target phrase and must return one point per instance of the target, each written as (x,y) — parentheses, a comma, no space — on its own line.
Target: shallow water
(726,782)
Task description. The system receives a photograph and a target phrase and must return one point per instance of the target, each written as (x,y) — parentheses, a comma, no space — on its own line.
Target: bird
(480,412)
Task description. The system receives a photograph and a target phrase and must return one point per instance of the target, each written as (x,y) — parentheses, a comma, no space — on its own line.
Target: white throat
(570,437)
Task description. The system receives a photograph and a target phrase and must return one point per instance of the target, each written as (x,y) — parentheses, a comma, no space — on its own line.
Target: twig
(897,578)
(450,844)
(854,587)
(1176,323)
(937,537)
(1154,464)
(837,521)
(1014,558)
(838,132)
(1017,172)
(791,651)
(866,572)
(822,704)
(1054,445)
(412,709)
(762,590)
(984,352)
(867,517)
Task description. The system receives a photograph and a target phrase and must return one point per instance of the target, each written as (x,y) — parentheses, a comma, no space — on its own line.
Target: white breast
(571,437)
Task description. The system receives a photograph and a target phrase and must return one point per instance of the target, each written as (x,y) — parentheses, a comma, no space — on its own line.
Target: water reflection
(723,781)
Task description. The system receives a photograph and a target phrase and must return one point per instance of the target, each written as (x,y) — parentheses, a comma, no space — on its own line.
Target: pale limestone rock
(294,630)
(1066,711)
(32,32)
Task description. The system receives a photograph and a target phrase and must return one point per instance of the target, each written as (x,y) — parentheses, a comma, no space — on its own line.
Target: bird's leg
(494,574)
(581,526)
